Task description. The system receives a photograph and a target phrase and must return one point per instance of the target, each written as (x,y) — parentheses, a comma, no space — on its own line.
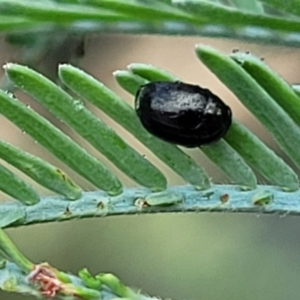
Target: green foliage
(95,92)
(231,154)
(251,20)
(33,24)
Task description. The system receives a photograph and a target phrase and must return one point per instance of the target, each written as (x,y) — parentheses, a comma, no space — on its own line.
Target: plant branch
(45,280)
(10,251)
(20,275)
(219,198)
(247,22)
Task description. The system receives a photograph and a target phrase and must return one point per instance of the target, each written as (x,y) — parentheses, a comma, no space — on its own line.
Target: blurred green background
(179,256)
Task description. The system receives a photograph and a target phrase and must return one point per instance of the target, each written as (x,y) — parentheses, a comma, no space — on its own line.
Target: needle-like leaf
(95,92)
(255,98)
(58,143)
(90,127)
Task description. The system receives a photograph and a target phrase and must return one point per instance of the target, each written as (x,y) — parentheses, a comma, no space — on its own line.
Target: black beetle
(182,113)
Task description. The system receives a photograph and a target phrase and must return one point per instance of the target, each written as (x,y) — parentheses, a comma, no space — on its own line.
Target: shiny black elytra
(181,113)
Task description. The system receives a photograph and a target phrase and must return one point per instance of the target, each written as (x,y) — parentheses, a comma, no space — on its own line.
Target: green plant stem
(13,279)
(142,200)
(11,252)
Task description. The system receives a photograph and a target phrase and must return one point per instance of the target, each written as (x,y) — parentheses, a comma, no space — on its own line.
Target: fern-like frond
(239,155)
(236,154)
(251,20)
(43,280)
(261,90)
